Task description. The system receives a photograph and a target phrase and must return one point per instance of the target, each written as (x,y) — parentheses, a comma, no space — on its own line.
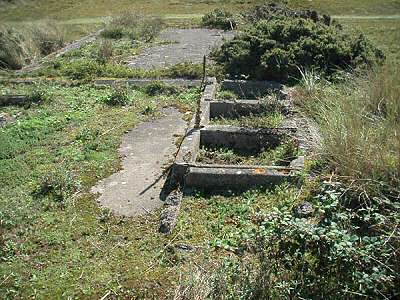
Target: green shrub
(118,97)
(81,69)
(275,49)
(113,33)
(38,95)
(275,11)
(344,250)
(159,88)
(187,70)
(219,19)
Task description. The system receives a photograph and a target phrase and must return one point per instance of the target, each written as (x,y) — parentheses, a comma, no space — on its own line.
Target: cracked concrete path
(149,147)
(187,45)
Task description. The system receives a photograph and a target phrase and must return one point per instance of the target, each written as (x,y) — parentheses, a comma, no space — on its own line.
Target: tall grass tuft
(16,48)
(49,37)
(360,123)
(22,45)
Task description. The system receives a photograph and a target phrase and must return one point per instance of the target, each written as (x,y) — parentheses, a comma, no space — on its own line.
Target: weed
(105,51)
(57,186)
(48,37)
(263,120)
(134,26)
(119,96)
(226,95)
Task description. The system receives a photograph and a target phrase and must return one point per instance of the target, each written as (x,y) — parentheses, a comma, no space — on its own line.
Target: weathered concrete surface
(214,178)
(187,45)
(146,150)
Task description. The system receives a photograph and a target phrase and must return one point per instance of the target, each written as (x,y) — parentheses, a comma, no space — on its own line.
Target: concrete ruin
(190,174)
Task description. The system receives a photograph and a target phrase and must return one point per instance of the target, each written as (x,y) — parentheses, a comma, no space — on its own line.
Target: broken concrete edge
(170,212)
(222,178)
(19,100)
(179,82)
(71,46)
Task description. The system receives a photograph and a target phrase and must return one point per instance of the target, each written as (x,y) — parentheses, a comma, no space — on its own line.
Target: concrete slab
(149,147)
(187,45)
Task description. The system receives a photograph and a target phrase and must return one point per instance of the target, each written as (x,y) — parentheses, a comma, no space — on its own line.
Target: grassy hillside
(72,9)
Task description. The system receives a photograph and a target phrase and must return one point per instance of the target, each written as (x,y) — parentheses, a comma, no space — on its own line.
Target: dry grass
(360,125)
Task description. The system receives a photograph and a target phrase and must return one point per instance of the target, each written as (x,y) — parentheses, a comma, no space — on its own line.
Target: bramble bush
(276,48)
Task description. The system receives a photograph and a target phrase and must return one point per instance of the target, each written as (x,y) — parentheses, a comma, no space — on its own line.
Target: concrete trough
(214,178)
(252,89)
(242,139)
(189,174)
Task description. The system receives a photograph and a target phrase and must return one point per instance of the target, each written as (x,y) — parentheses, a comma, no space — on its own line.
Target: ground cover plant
(282,155)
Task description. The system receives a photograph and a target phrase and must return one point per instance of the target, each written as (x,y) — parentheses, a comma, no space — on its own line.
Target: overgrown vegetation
(21,46)
(134,27)
(49,160)
(275,46)
(281,155)
(55,242)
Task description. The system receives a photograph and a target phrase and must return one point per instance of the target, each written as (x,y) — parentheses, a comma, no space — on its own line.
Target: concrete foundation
(189,174)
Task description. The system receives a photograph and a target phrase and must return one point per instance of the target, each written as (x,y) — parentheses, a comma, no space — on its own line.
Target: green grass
(68,246)
(77,9)
(282,155)
(267,120)
(72,248)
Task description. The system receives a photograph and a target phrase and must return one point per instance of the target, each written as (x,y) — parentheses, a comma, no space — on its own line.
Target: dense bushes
(275,49)
(329,256)
(219,19)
